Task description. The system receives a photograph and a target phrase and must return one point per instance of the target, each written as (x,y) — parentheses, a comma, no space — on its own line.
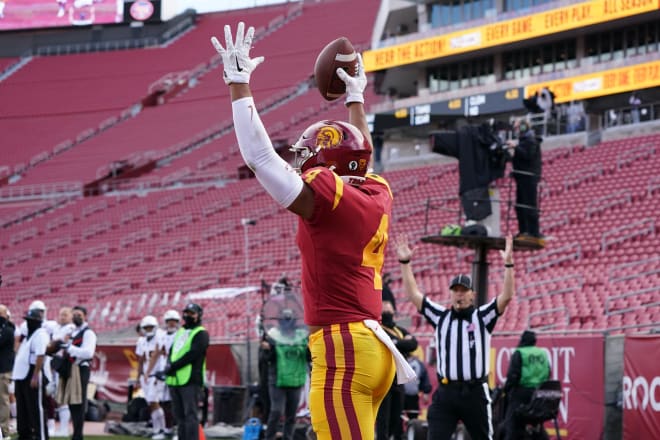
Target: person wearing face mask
(388,420)
(21,331)
(61,333)
(527,167)
(6,365)
(285,348)
(80,350)
(146,349)
(462,341)
(172,320)
(186,371)
(29,380)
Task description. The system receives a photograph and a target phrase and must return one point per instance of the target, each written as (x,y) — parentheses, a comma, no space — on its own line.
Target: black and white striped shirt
(462,345)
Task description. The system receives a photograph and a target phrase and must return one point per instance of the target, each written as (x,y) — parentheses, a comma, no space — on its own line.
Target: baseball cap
(34,315)
(194,308)
(461,280)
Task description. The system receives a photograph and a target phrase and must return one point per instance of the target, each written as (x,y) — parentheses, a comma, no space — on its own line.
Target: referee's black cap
(461,280)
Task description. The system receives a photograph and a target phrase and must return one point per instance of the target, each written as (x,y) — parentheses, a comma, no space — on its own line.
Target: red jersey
(343,247)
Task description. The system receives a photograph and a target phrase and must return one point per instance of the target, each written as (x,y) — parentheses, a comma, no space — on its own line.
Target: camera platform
(475,242)
(481,246)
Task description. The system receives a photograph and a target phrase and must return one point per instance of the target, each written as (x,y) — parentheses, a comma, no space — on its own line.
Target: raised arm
(404,253)
(274,173)
(504,298)
(355,86)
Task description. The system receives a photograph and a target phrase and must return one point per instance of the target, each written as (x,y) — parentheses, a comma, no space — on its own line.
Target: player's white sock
(161,419)
(158,420)
(65,416)
(51,427)
(12,409)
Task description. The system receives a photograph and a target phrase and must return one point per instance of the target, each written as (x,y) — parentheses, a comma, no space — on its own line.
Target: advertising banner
(607,82)
(641,387)
(522,28)
(26,14)
(115,366)
(578,364)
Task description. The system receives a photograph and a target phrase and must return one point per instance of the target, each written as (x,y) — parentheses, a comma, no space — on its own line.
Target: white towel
(404,372)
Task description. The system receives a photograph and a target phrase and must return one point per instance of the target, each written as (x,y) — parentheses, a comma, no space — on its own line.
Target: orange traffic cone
(201,435)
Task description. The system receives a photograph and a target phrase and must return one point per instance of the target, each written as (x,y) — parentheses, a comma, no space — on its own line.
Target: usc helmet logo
(328,137)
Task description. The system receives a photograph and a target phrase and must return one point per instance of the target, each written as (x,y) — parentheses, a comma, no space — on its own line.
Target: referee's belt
(472,382)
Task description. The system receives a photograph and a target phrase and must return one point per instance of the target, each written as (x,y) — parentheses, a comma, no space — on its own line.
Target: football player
(344,216)
(151,387)
(21,331)
(172,322)
(62,333)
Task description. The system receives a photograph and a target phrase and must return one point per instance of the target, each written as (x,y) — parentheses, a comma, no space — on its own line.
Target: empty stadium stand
(144,243)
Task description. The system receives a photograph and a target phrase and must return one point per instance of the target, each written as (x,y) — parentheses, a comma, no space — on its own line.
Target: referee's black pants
(468,402)
(30,415)
(78,411)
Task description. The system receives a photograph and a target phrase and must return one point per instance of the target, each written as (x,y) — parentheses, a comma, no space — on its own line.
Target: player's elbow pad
(273,172)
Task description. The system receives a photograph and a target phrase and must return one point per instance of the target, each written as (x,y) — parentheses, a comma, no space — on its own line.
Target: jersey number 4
(373,253)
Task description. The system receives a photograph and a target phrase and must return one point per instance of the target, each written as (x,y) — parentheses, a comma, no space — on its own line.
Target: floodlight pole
(247,222)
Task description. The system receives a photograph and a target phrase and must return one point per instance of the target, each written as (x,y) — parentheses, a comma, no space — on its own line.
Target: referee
(462,340)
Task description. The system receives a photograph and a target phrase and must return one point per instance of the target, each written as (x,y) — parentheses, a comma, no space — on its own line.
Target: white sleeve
(274,173)
(86,349)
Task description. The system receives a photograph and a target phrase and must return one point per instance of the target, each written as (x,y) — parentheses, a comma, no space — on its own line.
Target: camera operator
(481,160)
(526,153)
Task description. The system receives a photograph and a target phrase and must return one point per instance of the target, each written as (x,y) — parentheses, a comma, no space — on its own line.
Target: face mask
(388,319)
(287,324)
(150,334)
(78,321)
(33,325)
(189,320)
(3,320)
(171,330)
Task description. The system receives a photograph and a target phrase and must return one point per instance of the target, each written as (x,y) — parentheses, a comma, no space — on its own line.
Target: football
(338,53)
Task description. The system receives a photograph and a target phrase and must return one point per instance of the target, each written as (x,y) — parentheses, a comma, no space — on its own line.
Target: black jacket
(6,346)
(478,164)
(528,155)
(405,346)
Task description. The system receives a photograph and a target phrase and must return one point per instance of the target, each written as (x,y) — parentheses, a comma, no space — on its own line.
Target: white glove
(236,56)
(355,85)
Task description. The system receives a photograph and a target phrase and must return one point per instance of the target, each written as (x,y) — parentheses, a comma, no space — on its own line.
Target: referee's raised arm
(404,253)
(505,297)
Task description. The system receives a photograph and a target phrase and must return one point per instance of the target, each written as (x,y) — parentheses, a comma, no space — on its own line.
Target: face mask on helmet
(149,332)
(336,145)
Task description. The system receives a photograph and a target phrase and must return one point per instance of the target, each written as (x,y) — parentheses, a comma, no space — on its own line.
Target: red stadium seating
(177,229)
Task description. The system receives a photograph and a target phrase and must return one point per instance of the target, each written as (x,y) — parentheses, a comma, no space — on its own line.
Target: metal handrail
(599,204)
(628,156)
(579,286)
(635,229)
(575,253)
(609,299)
(613,278)
(547,312)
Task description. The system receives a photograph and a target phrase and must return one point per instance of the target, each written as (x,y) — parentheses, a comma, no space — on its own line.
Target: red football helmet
(337,145)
